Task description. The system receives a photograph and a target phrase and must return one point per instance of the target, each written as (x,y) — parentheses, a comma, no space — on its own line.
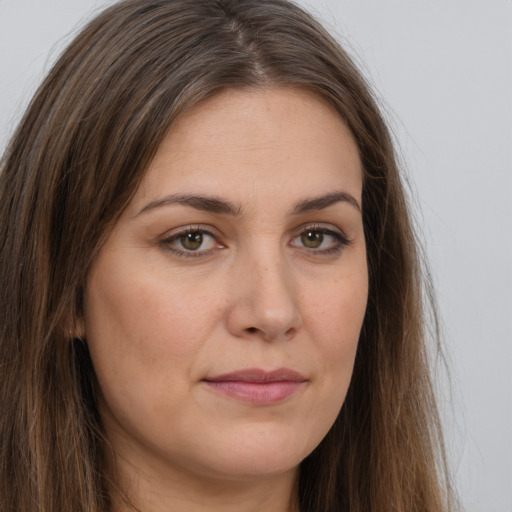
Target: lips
(258,386)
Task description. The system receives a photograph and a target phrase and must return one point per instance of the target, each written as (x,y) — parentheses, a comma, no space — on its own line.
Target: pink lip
(258,386)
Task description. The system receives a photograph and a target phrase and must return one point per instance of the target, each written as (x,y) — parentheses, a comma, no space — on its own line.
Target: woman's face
(223,312)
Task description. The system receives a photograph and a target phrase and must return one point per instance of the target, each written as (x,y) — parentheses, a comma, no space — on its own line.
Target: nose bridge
(266,298)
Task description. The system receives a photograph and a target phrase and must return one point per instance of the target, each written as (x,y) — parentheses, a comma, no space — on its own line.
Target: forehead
(278,140)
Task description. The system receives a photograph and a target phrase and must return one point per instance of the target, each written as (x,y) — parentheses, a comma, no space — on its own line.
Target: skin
(256,292)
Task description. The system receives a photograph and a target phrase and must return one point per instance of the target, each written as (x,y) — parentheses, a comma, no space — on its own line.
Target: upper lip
(259,375)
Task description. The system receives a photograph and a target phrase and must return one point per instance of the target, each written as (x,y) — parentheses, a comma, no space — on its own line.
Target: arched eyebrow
(324,201)
(199,202)
(220,206)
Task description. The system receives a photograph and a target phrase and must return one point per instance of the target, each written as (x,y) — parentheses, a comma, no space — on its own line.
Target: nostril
(252,330)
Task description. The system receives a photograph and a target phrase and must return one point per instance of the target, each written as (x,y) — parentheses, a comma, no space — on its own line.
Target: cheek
(139,312)
(334,316)
(145,338)
(337,302)
(144,335)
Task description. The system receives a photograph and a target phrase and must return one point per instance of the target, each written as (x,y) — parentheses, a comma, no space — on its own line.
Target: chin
(260,454)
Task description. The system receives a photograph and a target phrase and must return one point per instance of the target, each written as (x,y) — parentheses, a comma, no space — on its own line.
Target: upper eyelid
(190,228)
(341,240)
(172,236)
(339,237)
(320,226)
(175,233)
(216,233)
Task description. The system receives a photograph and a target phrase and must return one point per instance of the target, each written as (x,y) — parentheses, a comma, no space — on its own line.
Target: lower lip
(257,392)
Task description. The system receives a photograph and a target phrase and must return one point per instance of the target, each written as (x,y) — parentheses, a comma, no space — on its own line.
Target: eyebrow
(216,205)
(204,203)
(324,201)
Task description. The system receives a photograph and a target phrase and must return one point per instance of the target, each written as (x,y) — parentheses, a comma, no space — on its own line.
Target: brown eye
(320,241)
(191,241)
(312,239)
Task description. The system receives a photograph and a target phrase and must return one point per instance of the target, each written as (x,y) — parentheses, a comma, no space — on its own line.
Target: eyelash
(166,243)
(340,241)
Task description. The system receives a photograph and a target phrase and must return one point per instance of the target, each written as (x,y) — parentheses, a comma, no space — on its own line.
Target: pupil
(312,239)
(192,241)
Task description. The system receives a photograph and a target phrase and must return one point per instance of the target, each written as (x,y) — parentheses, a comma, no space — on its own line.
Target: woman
(211,294)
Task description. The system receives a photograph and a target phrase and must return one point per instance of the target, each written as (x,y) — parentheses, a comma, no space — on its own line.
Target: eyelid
(190,228)
(342,240)
(165,242)
(323,227)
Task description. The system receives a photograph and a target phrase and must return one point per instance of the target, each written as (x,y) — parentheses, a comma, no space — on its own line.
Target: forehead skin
(248,138)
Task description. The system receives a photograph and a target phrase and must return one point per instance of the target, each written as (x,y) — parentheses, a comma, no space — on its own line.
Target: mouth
(258,386)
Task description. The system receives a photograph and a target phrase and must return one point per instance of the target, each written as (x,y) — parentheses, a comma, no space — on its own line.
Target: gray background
(443,72)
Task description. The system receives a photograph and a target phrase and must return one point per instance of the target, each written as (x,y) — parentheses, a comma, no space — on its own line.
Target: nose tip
(265,304)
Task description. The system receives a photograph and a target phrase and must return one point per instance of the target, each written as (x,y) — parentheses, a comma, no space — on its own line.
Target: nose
(264,301)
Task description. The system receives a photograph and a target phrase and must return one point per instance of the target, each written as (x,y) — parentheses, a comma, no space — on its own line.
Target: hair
(71,168)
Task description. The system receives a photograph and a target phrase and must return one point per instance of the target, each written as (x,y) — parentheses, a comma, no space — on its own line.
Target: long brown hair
(70,170)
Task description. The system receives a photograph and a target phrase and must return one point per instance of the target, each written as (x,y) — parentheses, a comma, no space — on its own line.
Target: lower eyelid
(170,243)
(338,238)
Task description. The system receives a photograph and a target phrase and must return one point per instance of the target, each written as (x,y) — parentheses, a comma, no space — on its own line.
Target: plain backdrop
(442,70)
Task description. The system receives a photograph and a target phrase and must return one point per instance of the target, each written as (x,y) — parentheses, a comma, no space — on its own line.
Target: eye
(191,241)
(320,240)
(312,239)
